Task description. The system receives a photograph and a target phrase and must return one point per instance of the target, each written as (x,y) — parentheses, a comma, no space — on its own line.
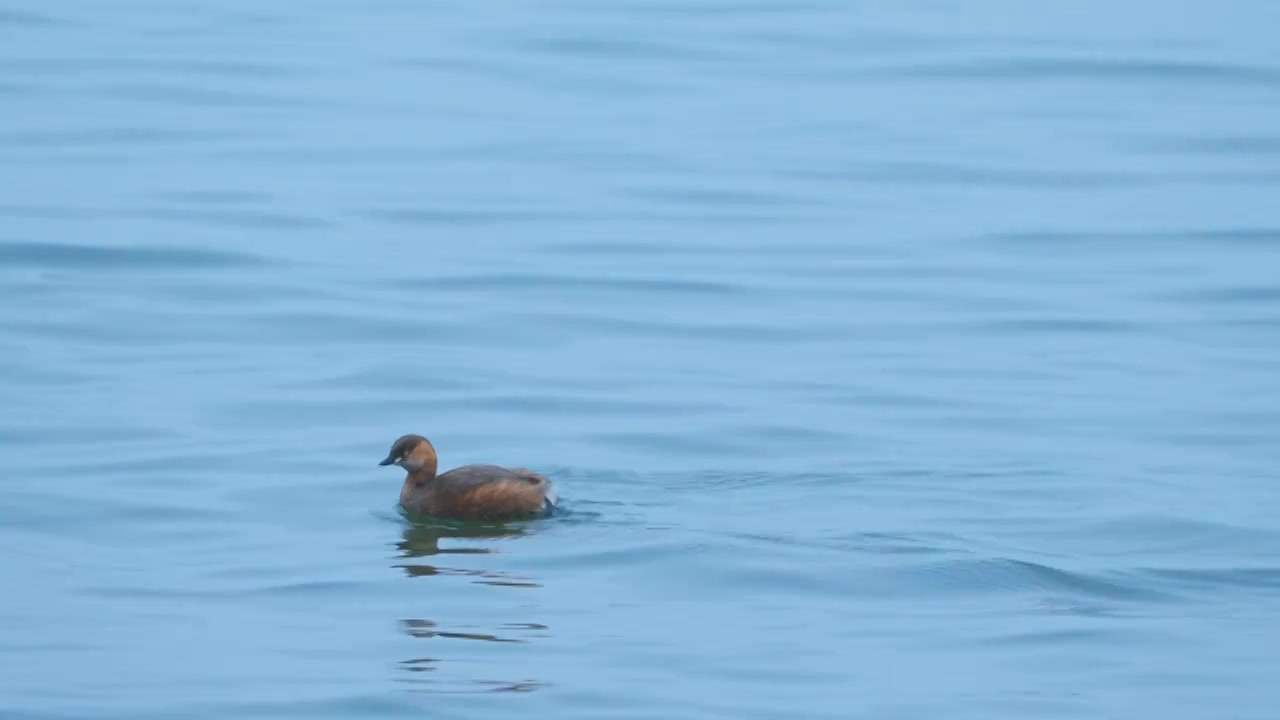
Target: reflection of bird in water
(432,673)
(421,628)
(419,541)
(422,669)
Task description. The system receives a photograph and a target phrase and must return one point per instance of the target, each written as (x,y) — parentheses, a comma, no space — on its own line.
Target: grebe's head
(413,453)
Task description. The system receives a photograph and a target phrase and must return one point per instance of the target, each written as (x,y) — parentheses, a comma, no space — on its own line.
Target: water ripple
(1219,579)
(41,141)
(1093,69)
(489,282)
(21,18)
(53,255)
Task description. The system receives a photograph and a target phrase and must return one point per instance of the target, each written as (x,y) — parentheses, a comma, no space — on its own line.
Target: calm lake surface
(912,360)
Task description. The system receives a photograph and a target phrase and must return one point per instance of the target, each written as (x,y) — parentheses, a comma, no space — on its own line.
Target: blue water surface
(894,360)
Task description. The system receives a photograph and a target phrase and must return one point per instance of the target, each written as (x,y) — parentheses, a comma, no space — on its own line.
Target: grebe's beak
(388,461)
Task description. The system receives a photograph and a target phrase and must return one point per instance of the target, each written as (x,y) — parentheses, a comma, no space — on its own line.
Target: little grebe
(470,492)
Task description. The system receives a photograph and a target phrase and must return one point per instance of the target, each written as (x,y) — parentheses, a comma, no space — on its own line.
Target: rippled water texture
(894,360)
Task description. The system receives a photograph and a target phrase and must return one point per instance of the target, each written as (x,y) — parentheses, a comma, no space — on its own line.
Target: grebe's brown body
(470,492)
